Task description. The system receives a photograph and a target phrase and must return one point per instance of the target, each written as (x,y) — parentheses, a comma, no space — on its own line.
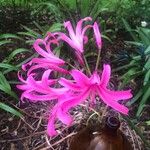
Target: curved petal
(97,35)
(69,27)
(38,48)
(24,66)
(75,100)
(20,77)
(47,66)
(74,43)
(85,29)
(105,75)
(38,87)
(80,78)
(64,117)
(48,45)
(85,39)
(108,100)
(119,95)
(95,79)
(69,84)
(59,91)
(36,97)
(23,87)
(51,126)
(79,25)
(52,60)
(45,78)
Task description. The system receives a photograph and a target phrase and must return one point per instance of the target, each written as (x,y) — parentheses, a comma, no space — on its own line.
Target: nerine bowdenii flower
(82,88)
(67,93)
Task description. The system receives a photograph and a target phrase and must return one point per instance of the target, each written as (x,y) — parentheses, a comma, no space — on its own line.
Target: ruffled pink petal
(105,75)
(23,87)
(69,27)
(85,29)
(36,97)
(49,56)
(64,117)
(37,87)
(59,91)
(80,78)
(79,25)
(69,84)
(45,78)
(119,95)
(75,100)
(108,100)
(48,45)
(97,35)
(24,66)
(51,126)
(85,39)
(38,48)
(95,79)
(20,77)
(52,60)
(47,66)
(74,43)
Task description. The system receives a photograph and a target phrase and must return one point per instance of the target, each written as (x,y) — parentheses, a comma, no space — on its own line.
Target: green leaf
(14,53)
(147,51)
(143,101)
(5,42)
(10,110)
(148,123)
(144,35)
(39,27)
(5,87)
(147,77)
(28,34)
(31,31)
(70,3)
(54,9)
(8,66)
(85,5)
(55,27)
(134,43)
(127,77)
(4,82)
(8,35)
(135,98)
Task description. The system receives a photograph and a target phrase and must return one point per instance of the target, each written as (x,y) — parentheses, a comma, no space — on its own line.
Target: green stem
(71,65)
(87,66)
(98,59)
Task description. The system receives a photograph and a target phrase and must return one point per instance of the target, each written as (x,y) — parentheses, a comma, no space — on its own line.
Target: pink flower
(58,113)
(81,88)
(40,90)
(77,38)
(97,35)
(48,59)
(85,87)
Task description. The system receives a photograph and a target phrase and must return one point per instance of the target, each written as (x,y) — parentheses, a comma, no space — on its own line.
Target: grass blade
(10,110)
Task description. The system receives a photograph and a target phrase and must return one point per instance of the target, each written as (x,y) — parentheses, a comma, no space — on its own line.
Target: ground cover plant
(68,65)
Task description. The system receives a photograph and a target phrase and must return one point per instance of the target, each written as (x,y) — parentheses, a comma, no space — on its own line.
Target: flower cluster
(67,92)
